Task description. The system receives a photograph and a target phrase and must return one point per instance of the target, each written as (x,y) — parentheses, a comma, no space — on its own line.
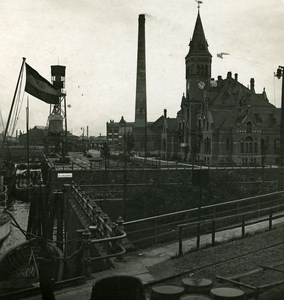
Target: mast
(28,146)
(13,102)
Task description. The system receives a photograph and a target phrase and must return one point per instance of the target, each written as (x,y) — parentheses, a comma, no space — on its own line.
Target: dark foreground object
(118,288)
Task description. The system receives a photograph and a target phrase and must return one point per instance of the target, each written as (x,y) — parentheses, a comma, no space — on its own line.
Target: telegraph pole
(279,74)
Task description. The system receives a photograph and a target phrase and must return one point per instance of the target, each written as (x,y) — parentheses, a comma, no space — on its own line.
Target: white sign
(64,175)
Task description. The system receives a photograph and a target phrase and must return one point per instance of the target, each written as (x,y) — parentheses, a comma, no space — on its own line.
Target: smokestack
(140,111)
(252,85)
(140,125)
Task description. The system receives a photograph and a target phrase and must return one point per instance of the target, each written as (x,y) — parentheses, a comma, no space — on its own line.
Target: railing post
(198,235)
(243,226)
(94,212)
(79,257)
(180,253)
(155,231)
(105,218)
(119,231)
(86,253)
(213,232)
(270,219)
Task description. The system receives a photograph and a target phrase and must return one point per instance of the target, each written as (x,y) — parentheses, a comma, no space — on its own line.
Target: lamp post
(279,74)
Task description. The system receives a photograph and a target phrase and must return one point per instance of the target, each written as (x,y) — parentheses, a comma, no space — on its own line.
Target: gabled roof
(171,124)
(262,118)
(231,93)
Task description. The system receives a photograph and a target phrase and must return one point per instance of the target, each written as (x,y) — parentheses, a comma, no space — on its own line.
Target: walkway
(147,264)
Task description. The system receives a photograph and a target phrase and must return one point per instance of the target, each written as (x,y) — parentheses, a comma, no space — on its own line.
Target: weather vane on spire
(198,4)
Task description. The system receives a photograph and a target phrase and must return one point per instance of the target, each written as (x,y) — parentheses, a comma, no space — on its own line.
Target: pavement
(143,263)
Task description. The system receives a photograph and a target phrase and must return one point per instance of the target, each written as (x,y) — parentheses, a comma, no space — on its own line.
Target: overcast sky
(97,42)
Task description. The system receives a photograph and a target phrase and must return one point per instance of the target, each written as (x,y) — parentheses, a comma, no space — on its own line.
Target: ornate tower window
(249,127)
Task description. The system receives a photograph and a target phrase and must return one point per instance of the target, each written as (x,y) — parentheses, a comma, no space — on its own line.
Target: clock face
(201,85)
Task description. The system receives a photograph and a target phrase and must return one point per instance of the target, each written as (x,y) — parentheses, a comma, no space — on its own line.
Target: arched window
(198,70)
(249,127)
(228,145)
(255,146)
(249,144)
(242,146)
(202,70)
(164,144)
(277,146)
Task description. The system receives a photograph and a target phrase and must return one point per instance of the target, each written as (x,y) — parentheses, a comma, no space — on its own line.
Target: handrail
(204,207)
(241,225)
(110,234)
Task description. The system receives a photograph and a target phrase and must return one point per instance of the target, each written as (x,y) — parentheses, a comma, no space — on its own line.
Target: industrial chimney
(140,126)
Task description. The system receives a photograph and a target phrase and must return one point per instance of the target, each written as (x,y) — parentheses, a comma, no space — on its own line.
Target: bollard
(223,293)
(197,285)
(166,292)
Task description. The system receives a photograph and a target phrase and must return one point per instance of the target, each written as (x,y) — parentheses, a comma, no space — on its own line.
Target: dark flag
(39,87)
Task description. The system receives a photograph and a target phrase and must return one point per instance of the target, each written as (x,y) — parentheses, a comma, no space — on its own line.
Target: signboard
(64,175)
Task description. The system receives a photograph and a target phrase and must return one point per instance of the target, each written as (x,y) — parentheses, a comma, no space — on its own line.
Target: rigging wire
(18,106)
(274,102)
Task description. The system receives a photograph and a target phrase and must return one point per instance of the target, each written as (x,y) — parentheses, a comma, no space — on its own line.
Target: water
(20,211)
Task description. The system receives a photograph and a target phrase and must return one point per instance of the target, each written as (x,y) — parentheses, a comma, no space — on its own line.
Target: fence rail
(152,230)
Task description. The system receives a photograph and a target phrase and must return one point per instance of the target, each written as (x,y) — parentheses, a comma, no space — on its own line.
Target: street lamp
(279,74)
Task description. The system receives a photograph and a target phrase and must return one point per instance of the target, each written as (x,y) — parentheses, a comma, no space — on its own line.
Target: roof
(198,44)
(231,93)
(263,118)
(171,124)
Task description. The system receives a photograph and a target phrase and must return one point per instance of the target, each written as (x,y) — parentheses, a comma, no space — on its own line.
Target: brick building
(223,121)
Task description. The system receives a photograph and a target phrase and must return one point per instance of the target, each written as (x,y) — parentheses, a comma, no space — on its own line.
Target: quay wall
(136,204)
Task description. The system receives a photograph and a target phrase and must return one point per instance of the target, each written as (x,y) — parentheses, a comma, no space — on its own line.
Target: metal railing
(245,221)
(100,230)
(161,228)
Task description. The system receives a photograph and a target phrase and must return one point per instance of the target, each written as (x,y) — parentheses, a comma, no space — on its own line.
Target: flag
(220,55)
(39,87)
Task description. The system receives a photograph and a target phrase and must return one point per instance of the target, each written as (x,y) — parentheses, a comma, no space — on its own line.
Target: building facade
(222,121)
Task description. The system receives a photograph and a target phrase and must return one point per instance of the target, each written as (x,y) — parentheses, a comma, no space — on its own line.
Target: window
(164,144)
(228,145)
(242,146)
(249,145)
(277,146)
(255,148)
(249,127)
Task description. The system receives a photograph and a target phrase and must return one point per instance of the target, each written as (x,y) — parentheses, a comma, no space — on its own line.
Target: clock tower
(198,64)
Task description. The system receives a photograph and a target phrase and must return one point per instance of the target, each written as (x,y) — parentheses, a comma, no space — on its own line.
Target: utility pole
(279,74)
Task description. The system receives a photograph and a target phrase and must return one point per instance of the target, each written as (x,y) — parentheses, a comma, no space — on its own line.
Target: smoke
(150,17)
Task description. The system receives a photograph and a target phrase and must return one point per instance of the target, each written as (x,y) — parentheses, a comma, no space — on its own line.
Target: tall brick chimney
(140,126)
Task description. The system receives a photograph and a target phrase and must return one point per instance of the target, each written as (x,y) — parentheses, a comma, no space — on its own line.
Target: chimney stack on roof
(252,85)
(236,76)
(219,80)
(229,75)
(165,113)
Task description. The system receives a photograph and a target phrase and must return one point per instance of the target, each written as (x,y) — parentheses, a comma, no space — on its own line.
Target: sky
(97,42)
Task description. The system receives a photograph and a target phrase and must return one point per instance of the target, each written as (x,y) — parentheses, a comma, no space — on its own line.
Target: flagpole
(13,102)
(28,146)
